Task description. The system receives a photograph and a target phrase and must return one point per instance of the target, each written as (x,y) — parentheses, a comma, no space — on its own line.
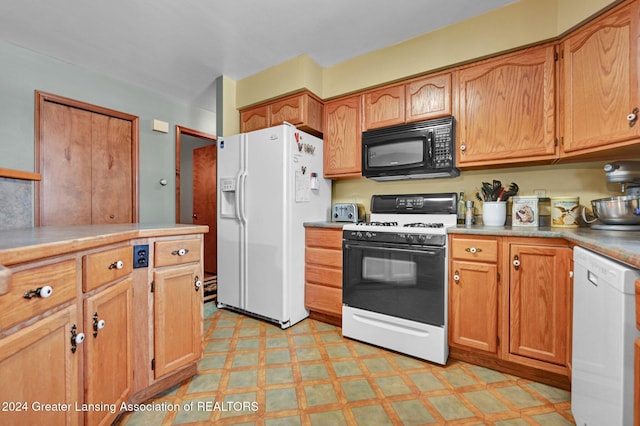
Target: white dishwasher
(603,334)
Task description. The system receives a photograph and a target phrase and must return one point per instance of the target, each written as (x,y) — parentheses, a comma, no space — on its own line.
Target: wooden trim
(180,130)
(41,98)
(19,174)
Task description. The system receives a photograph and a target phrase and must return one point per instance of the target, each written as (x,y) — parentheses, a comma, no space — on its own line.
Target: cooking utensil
(622,210)
(513,190)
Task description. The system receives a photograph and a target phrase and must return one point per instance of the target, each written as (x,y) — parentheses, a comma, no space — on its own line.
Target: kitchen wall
(24,71)
(585,180)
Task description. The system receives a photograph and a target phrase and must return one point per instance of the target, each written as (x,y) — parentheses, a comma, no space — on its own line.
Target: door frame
(181,130)
(41,98)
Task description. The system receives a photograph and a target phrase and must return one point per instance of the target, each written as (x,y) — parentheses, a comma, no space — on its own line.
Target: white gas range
(395,274)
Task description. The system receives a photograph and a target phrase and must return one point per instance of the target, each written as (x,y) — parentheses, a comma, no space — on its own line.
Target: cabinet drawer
(327,276)
(323,299)
(327,238)
(106,266)
(61,277)
(322,256)
(474,249)
(176,252)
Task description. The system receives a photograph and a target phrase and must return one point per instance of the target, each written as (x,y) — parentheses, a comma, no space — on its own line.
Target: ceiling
(180,47)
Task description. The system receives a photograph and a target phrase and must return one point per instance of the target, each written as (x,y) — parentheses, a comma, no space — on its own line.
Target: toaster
(347,212)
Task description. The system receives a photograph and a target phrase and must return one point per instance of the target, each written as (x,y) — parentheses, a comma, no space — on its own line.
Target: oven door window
(396,280)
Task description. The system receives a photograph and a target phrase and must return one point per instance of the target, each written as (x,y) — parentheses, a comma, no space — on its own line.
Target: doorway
(196,194)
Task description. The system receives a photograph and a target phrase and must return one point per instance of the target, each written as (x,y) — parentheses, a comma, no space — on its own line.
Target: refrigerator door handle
(241,198)
(238,196)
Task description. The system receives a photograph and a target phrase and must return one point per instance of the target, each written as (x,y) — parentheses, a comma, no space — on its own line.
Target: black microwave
(421,150)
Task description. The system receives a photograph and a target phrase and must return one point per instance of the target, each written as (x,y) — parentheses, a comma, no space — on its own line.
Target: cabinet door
(428,97)
(538,297)
(384,107)
(290,110)
(108,325)
(600,64)
(254,118)
(343,138)
(37,366)
(177,318)
(507,109)
(323,271)
(473,306)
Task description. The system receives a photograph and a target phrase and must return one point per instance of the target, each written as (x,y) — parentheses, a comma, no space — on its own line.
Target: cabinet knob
(44,292)
(456,277)
(516,262)
(463,147)
(76,338)
(119,264)
(473,250)
(633,117)
(180,252)
(97,324)
(197,283)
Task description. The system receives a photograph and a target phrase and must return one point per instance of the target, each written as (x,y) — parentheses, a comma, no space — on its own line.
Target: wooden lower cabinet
(38,367)
(323,273)
(473,293)
(509,304)
(85,381)
(538,301)
(177,318)
(108,350)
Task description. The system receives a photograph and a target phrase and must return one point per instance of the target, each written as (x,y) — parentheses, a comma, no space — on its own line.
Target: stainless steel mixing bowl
(622,210)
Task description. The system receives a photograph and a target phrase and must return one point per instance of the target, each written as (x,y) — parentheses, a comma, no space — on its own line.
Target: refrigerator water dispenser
(228,198)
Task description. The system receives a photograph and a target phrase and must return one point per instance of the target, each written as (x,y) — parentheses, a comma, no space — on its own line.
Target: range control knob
(422,238)
(368,235)
(410,238)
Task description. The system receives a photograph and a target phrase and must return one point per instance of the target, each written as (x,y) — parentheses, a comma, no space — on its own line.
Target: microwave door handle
(429,158)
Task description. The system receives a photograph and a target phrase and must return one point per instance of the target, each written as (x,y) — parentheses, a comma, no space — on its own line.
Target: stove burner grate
(378,223)
(424,225)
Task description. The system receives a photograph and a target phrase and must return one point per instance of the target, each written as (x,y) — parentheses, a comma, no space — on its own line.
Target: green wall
(24,71)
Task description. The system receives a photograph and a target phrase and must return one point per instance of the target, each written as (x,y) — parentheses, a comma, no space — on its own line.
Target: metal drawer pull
(473,250)
(117,265)
(44,292)
(76,338)
(180,252)
(197,283)
(516,262)
(97,324)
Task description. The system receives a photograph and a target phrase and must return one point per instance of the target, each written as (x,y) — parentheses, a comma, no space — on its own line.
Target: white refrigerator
(269,183)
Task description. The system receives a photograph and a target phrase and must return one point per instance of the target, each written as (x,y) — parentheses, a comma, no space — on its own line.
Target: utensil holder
(494,213)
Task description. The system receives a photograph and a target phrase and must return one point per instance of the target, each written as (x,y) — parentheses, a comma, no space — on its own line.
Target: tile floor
(254,373)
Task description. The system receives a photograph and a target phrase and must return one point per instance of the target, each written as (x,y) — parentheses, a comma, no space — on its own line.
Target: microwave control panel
(442,147)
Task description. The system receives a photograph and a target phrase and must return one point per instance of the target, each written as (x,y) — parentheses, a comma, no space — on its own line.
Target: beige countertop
(24,245)
(623,246)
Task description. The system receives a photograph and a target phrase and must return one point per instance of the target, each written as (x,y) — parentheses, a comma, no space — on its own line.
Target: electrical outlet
(141,256)
(540,193)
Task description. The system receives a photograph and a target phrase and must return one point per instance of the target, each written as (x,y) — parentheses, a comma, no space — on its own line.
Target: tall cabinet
(601,100)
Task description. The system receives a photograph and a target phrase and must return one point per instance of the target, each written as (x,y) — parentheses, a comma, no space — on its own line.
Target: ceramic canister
(565,211)
(524,211)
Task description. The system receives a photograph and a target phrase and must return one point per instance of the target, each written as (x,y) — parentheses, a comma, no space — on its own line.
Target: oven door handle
(428,250)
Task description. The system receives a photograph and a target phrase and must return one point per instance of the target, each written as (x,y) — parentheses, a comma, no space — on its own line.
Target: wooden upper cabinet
(416,100)
(384,107)
(428,97)
(600,69)
(254,118)
(303,110)
(343,137)
(507,109)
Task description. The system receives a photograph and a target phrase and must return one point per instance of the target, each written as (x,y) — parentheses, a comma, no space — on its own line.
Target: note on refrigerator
(303,190)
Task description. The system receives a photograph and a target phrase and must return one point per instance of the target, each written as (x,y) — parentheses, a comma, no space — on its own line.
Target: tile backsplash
(16,204)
